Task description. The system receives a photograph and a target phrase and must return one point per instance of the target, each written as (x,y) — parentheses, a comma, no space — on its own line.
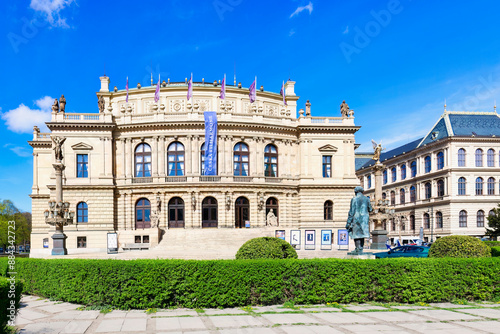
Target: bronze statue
(62,103)
(55,106)
(377,150)
(100,103)
(358,219)
(344,109)
(58,141)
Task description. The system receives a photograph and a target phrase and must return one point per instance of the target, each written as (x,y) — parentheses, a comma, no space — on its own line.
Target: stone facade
(472,132)
(112,187)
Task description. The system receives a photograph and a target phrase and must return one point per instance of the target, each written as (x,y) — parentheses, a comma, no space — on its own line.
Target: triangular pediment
(82,146)
(328,148)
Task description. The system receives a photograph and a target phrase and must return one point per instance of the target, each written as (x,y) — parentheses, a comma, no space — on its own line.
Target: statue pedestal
(359,256)
(379,239)
(59,244)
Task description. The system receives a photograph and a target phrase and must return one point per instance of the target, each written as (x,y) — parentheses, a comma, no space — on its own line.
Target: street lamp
(431,210)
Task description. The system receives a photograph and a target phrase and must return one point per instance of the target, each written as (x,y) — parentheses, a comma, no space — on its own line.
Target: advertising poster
(112,243)
(343,238)
(310,239)
(294,237)
(326,237)
(280,234)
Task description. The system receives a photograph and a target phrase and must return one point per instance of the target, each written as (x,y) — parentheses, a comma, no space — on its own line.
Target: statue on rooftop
(62,103)
(377,150)
(100,103)
(58,141)
(344,109)
(358,219)
(55,106)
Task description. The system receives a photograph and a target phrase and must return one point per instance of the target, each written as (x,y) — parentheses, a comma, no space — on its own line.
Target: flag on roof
(253,92)
(190,88)
(157,92)
(223,89)
(282,92)
(126,87)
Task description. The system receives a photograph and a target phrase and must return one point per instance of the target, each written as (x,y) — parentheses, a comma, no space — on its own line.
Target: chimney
(104,84)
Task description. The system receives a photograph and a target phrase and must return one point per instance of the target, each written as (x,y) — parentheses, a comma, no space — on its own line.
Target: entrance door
(176,213)
(209,212)
(242,212)
(142,214)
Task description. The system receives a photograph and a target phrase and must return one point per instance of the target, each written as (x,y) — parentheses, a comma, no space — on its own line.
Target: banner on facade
(210,143)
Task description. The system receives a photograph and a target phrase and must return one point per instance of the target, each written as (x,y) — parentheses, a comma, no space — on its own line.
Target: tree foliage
(459,246)
(494,223)
(266,248)
(9,212)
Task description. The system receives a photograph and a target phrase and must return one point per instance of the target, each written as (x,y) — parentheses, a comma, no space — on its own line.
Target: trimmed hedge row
(459,246)
(495,251)
(266,248)
(8,293)
(492,243)
(145,284)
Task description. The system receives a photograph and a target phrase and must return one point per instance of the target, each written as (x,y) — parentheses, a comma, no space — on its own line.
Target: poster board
(326,239)
(310,242)
(112,243)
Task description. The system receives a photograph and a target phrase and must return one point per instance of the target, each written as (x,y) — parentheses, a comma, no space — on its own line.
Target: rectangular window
(327,166)
(82,165)
(81,242)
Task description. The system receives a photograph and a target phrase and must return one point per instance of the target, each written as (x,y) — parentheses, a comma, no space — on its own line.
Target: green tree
(494,223)
(9,212)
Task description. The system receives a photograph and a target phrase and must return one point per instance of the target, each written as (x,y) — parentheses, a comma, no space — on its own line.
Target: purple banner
(210,143)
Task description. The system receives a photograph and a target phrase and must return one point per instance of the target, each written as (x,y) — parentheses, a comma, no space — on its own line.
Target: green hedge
(8,293)
(495,251)
(146,284)
(459,246)
(266,248)
(492,243)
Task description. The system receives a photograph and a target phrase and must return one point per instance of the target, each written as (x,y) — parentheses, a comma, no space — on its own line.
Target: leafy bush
(143,284)
(492,243)
(495,251)
(8,308)
(459,246)
(266,248)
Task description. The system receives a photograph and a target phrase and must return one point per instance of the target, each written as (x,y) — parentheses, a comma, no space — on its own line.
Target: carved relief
(177,106)
(204,104)
(271,110)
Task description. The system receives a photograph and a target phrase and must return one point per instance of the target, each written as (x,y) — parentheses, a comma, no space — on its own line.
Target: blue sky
(394,62)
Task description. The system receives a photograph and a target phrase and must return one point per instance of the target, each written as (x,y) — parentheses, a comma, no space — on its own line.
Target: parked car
(404,251)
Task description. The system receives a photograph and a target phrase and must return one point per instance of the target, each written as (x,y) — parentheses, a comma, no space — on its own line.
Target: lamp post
(431,210)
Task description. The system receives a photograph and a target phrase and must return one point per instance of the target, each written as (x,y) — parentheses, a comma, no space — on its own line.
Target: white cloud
(346,31)
(299,9)
(52,9)
(22,119)
(19,150)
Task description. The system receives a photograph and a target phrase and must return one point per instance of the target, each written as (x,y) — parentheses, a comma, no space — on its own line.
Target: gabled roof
(478,124)
(392,153)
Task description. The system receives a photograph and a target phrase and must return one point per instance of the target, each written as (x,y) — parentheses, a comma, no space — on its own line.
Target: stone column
(161,156)
(109,156)
(189,162)
(221,156)
(229,155)
(34,189)
(154,157)
(129,156)
(124,161)
(103,156)
(195,155)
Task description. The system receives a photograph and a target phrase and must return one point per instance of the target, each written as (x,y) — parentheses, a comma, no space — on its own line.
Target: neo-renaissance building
(137,168)
(446,182)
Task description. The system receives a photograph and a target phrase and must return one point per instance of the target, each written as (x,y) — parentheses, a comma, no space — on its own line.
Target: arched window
(413,167)
(480,218)
(490,157)
(403,172)
(143,160)
(462,219)
(491,186)
(413,194)
(271,161)
(440,160)
(369,181)
(461,186)
(461,157)
(402,196)
(385,176)
(479,186)
(440,188)
(272,204)
(427,162)
(393,197)
(412,222)
(384,195)
(202,160)
(328,210)
(393,224)
(439,220)
(82,213)
(176,213)
(142,214)
(393,174)
(209,212)
(427,223)
(479,157)
(491,213)
(241,212)
(428,190)
(175,158)
(241,160)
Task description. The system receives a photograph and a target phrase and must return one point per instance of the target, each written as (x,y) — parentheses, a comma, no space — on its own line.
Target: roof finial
(444,104)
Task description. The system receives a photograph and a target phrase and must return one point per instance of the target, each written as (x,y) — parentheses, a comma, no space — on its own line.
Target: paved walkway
(38,315)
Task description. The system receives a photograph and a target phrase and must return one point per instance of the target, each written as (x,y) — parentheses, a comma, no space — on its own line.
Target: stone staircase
(208,243)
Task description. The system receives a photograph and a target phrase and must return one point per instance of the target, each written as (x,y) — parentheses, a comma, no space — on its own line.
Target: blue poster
(343,237)
(210,143)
